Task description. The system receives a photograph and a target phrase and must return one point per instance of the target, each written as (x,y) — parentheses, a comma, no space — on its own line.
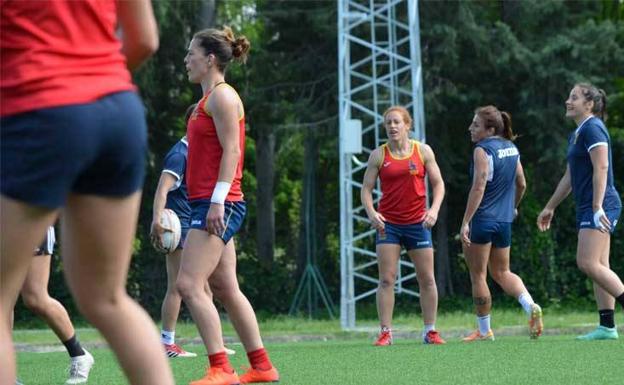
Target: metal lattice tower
(379,66)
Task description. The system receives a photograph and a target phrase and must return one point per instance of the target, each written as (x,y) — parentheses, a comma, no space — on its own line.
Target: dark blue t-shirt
(590,134)
(175,164)
(500,191)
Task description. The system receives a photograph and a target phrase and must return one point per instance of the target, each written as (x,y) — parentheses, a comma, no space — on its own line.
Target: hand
(377,221)
(464,233)
(430,218)
(601,221)
(214,219)
(544,219)
(156,233)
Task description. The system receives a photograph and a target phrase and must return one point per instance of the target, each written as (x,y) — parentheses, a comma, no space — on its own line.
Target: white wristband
(597,215)
(220,192)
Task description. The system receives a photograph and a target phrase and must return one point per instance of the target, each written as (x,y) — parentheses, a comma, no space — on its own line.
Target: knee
(186,288)
(386,282)
(35,303)
(225,294)
(498,275)
(585,266)
(98,306)
(426,282)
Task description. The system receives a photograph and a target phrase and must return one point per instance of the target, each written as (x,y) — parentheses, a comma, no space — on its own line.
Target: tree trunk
(442,260)
(265,212)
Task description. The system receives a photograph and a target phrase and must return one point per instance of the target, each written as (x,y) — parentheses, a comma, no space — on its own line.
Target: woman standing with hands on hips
(589,175)
(216,138)
(402,218)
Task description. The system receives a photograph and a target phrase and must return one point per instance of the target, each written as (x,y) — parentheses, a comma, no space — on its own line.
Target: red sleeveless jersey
(403,199)
(204,156)
(57,53)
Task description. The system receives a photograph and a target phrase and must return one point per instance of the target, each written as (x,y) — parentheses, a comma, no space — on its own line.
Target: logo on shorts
(422,243)
(196,222)
(585,223)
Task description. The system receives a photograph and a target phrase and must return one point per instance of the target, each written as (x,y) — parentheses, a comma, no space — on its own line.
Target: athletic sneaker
(252,376)
(476,336)
(18,382)
(217,376)
(433,338)
(536,324)
(230,352)
(600,333)
(174,350)
(384,338)
(79,368)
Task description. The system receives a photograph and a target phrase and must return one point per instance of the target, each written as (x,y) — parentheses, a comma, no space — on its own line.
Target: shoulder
(425,151)
(376,156)
(223,96)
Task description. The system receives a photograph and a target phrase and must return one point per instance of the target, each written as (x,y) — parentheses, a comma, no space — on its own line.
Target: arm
(368,184)
(437,186)
(139,31)
(599,156)
(479,181)
(166,182)
(224,105)
(561,192)
(520,186)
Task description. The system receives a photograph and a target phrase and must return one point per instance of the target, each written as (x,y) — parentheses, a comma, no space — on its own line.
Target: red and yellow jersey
(403,199)
(204,156)
(57,53)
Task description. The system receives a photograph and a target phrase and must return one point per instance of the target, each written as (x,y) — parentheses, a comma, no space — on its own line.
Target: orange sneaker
(217,376)
(252,376)
(536,324)
(384,338)
(476,336)
(433,337)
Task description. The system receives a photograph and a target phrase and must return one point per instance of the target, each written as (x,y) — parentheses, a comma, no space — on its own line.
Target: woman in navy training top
(498,184)
(589,175)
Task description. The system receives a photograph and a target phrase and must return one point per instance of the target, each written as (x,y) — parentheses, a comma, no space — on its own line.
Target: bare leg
(171,303)
(387,259)
(22,227)
(97,246)
(36,298)
(604,300)
(477,258)
(590,253)
(423,262)
(200,257)
(499,269)
(224,285)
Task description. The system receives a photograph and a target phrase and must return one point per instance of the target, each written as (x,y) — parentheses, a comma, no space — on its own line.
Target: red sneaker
(433,337)
(252,376)
(175,350)
(217,376)
(384,338)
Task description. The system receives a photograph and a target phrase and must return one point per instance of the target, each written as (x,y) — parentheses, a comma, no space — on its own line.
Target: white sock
(167,337)
(484,324)
(526,301)
(428,328)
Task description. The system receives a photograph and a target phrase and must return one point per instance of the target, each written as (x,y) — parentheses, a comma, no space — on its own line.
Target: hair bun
(240,48)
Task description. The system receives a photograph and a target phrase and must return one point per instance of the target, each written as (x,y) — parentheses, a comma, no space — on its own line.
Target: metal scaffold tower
(379,66)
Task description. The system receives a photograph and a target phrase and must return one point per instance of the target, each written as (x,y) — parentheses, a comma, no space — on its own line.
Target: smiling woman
(589,175)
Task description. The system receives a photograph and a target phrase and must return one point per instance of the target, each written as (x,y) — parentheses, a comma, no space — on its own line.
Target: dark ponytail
(596,95)
(500,121)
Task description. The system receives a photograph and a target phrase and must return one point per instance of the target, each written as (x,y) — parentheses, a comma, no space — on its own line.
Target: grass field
(326,355)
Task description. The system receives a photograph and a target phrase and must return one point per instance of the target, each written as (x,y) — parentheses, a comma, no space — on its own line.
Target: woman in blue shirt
(589,175)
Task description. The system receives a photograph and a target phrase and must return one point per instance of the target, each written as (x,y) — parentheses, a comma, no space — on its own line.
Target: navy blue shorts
(585,219)
(413,236)
(97,148)
(483,232)
(233,217)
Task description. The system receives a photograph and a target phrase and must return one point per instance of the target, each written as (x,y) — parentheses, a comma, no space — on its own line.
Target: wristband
(220,192)
(597,215)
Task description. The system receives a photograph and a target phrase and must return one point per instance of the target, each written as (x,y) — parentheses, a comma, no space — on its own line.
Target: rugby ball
(173,231)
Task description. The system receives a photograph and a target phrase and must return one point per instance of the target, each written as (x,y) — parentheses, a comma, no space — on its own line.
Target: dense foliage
(522,56)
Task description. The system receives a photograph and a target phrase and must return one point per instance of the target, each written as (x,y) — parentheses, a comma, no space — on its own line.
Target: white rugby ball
(173,231)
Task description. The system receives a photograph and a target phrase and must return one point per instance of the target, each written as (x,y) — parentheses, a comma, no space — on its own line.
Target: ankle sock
(259,359)
(73,347)
(220,360)
(606,318)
